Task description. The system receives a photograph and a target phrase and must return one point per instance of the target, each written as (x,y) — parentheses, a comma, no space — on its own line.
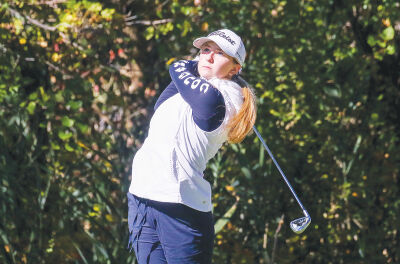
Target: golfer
(205,105)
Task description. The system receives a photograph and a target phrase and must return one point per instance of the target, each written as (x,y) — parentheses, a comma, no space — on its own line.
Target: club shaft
(280,170)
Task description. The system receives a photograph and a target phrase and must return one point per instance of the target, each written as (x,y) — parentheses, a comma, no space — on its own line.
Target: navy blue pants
(169,232)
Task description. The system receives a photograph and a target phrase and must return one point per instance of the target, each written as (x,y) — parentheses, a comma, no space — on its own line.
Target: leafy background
(78,81)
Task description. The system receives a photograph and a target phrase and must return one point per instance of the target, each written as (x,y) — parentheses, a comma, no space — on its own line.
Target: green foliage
(78,80)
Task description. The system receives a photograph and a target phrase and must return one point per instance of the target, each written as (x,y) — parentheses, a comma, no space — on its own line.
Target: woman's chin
(206,76)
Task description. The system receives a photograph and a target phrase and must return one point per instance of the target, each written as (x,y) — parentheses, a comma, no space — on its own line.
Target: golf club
(300,224)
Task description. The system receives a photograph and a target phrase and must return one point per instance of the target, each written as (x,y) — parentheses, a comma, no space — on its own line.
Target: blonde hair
(242,123)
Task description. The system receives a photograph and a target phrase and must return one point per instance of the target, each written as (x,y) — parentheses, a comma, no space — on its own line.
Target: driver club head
(300,224)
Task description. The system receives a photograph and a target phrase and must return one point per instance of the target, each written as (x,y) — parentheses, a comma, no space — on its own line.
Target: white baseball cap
(228,41)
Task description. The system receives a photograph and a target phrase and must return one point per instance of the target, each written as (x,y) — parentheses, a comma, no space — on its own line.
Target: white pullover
(169,166)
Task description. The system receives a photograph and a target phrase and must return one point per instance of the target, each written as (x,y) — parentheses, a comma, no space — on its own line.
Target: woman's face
(214,63)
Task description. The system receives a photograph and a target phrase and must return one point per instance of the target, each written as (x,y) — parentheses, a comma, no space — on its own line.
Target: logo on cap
(239,56)
(222,35)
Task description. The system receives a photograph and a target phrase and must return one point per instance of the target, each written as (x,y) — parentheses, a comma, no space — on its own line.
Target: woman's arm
(206,101)
(171,88)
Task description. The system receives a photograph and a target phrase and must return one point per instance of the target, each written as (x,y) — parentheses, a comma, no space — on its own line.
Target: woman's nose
(210,56)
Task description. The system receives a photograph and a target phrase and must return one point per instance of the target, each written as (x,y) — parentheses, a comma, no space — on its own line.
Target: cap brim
(200,41)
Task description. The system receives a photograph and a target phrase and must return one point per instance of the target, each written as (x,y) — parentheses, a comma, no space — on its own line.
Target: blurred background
(78,82)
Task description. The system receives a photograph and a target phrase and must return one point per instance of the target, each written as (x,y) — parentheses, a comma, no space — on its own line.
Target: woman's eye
(220,53)
(206,50)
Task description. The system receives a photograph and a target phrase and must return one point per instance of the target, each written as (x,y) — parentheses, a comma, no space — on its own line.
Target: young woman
(206,104)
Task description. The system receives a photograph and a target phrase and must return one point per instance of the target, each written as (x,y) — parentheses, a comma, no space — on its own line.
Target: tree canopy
(78,82)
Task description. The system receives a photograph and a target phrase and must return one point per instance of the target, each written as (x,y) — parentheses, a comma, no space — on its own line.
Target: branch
(360,33)
(266,257)
(276,237)
(52,3)
(358,223)
(265,238)
(32,20)
(54,67)
(46,27)
(128,17)
(150,23)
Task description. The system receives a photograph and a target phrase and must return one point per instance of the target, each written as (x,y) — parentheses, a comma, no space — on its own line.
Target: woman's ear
(235,70)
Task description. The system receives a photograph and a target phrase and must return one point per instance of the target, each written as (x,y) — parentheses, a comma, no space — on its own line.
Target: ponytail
(242,123)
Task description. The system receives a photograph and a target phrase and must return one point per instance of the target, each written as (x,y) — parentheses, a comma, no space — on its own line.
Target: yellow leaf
(92,214)
(96,207)
(69,18)
(204,26)
(22,41)
(109,217)
(229,188)
(18,25)
(55,57)
(82,145)
(386,22)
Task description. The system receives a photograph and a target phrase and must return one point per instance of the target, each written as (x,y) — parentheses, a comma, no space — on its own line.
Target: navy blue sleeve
(167,93)
(171,88)
(207,103)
